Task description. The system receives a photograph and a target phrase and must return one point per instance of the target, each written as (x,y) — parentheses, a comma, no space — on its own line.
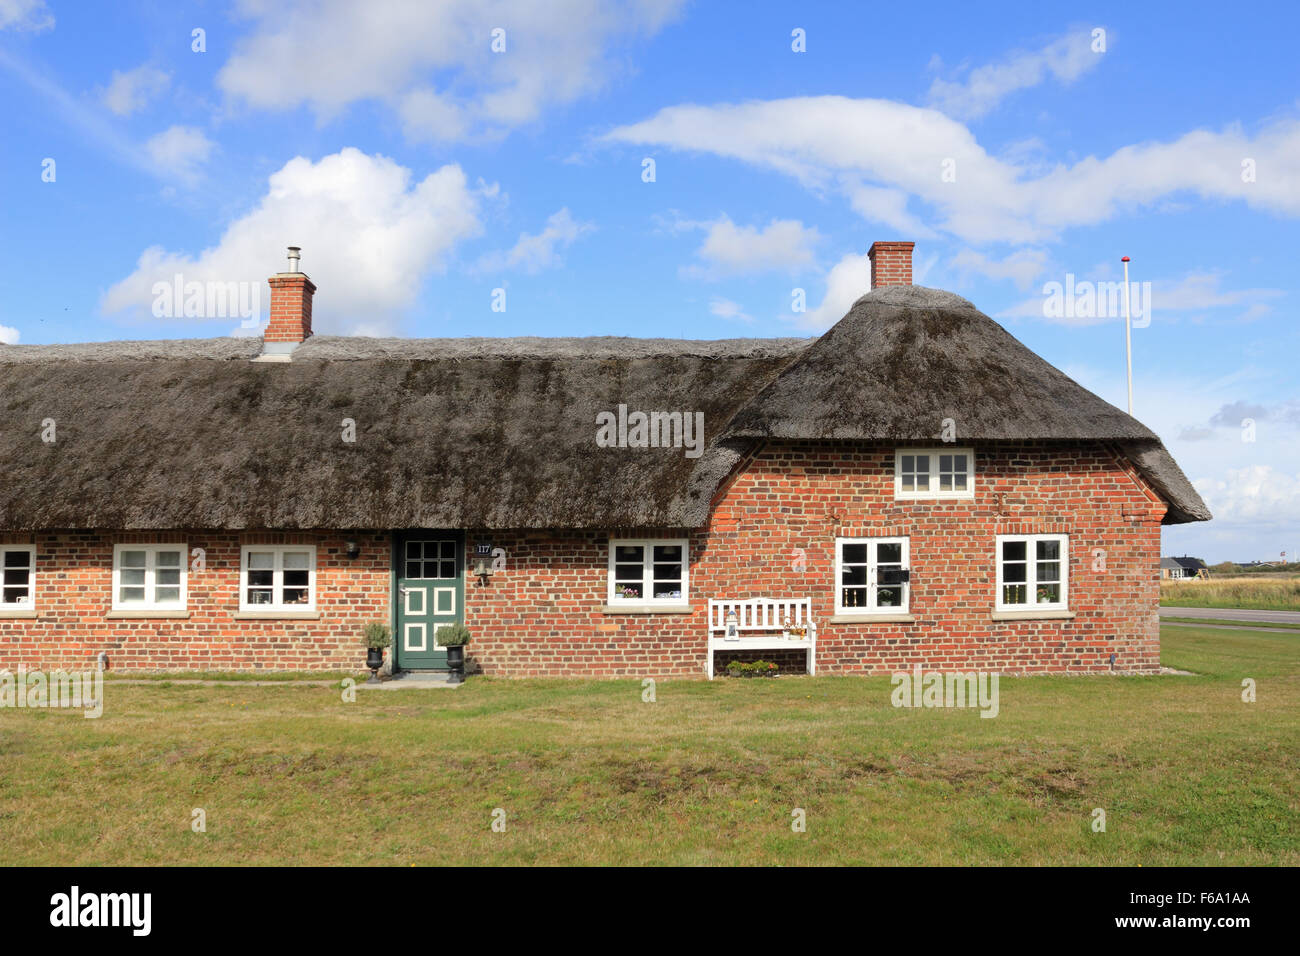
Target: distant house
(917,484)
(1175,568)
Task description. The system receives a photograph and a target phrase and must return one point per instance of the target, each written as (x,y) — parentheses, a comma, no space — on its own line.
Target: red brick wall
(74,593)
(542,615)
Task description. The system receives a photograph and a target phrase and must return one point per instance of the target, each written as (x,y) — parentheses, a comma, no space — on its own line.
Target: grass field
(588,773)
(1264,594)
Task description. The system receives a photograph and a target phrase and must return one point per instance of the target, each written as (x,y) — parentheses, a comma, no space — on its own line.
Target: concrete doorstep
(412,680)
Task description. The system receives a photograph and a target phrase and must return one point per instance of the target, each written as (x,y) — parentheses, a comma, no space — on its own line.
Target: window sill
(1058,615)
(961,497)
(144,615)
(277,616)
(646,609)
(27,615)
(872,619)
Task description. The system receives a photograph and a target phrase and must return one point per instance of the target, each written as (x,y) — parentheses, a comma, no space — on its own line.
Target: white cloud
(179,151)
(848,280)
(1066,59)
(1022,266)
(8,335)
(852,145)
(29,15)
(130,91)
(370,238)
(726,309)
(1256,494)
(433,62)
(728,249)
(533,253)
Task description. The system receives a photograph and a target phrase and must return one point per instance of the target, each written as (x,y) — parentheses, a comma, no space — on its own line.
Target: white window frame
(933,490)
(277,578)
(647,570)
(1031,573)
(30,603)
(150,603)
(871,607)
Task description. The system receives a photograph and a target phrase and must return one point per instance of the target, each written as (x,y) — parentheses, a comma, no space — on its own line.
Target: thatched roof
(500,433)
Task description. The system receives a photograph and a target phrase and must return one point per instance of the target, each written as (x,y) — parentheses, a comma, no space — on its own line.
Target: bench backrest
(760,614)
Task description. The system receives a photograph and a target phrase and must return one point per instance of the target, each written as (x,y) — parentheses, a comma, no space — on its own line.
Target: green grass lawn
(588,773)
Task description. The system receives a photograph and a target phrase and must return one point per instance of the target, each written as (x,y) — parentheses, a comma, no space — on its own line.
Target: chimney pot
(891,263)
(294,256)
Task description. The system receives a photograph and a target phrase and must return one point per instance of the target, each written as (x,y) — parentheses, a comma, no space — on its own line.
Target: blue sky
(420,170)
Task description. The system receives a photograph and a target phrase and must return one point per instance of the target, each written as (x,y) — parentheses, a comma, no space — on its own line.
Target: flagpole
(1128,337)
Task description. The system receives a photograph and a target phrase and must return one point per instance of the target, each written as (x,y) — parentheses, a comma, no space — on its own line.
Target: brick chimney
(291,294)
(891,263)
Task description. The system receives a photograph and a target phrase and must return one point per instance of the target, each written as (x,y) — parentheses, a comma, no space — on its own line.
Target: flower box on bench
(761,625)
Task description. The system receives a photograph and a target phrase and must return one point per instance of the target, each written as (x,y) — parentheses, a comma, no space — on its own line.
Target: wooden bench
(761,626)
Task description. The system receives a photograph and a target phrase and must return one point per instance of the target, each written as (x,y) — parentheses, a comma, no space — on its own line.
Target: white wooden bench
(761,625)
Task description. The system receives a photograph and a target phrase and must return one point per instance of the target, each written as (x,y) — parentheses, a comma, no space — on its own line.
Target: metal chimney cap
(294,257)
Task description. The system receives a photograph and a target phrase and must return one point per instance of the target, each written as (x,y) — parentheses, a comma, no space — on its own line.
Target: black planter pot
(374,660)
(456,663)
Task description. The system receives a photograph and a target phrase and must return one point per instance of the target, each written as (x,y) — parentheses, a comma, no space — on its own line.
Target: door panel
(430,593)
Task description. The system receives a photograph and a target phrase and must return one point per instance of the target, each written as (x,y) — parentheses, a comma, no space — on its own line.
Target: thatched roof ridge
(500,433)
(904,359)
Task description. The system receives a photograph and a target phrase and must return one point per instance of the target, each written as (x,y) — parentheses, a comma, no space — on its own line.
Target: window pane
(1049,571)
(889,553)
(260,578)
(296,560)
(854,554)
(295,596)
(18,559)
(853,597)
(945,482)
(668,552)
(14,595)
(448,550)
(133,576)
(1049,593)
(128,595)
(1013,594)
(259,596)
(133,559)
(945,462)
(959,463)
(167,594)
(627,572)
(629,553)
(1048,550)
(909,463)
(16,576)
(1013,571)
(295,579)
(412,569)
(889,597)
(959,482)
(668,589)
(853,575)
(168,576)
(261,560)
(448,569)
(1013,551)
(168,559)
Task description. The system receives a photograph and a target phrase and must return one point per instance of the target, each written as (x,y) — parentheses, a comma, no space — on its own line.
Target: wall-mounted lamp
(354,549)
(483,570)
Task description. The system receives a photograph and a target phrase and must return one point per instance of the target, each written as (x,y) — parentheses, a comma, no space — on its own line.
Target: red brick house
(921,487)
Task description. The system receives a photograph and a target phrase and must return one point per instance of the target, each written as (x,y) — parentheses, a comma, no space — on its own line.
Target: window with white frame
(873,575)
(1033,572)
(648,571)
(149,577)
(934,473)
(277,578)
(17,576)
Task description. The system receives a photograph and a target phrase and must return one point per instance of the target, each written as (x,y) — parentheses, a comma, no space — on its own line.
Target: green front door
(430,595)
